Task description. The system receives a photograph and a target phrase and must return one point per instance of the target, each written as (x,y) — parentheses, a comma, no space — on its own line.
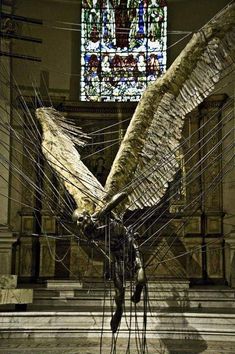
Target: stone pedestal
(16,296)
(215,266)
(6,241)
(193,256)
(81,264)
(8,281)
(10,295)
(230,259)
(26,257)
(164,262)
(47,257)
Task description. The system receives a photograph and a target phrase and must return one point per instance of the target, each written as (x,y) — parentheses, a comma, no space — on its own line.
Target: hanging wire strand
(193,201)
(27,111)
(31,158)
(210,188)
(232,145)
(81,180)
(200,247)
(197,198)
(192,147)
(41,101)
(65,169)
(229,149)
(49,200)
(189,173)
(135,182)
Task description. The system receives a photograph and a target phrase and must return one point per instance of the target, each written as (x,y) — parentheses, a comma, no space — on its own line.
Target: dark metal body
(122,252)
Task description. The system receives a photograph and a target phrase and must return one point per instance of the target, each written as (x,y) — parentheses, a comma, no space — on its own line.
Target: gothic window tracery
(123,48)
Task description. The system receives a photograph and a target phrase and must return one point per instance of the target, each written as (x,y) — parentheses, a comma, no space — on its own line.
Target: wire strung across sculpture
(123,249)
(146,161)
(142,169)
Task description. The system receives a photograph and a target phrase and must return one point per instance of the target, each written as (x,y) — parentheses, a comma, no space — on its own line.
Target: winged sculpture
(146,161)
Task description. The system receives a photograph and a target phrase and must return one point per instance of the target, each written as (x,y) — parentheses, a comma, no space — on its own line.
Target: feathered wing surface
(146,160)
(58,146)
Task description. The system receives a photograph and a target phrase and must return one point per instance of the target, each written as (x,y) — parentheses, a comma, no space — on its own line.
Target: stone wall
(57,76)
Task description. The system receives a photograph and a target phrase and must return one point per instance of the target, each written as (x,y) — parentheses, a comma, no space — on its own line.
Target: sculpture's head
(83,219)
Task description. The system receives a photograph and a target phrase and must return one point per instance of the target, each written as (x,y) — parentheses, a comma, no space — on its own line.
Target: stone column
(229,190)
(230,258)
(6,239)
(75,57)
(47,257)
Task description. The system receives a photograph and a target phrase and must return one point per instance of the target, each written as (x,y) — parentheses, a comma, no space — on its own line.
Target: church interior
(92,66)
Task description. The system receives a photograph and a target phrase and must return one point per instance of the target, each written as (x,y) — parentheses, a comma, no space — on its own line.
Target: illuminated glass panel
(123,48)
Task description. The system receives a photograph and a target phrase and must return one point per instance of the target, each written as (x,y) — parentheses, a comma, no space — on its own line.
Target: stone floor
(201,330)
(90,346)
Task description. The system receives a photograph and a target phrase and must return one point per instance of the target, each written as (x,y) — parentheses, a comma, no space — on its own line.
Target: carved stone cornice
(77,108)
(213,101)
(230,239)
(7,238)
(101,107)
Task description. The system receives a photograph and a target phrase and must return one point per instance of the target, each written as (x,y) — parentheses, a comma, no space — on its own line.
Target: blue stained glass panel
(123,48)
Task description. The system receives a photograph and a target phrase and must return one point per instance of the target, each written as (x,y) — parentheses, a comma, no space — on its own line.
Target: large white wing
(146,160)
(58,146)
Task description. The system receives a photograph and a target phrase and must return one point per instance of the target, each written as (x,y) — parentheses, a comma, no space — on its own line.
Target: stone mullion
(5,113)
(192,170)
(228,191)
(212,165)
(51,198)
(6,236)
(29,169)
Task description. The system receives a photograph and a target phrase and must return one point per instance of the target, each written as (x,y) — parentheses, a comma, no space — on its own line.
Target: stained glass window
(123,48)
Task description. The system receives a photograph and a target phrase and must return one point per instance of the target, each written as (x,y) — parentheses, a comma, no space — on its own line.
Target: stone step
(94,303)
(63,284)
(123,345)
(191,293)
(94,297)
(204,293)
(156,284)
(91,325)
